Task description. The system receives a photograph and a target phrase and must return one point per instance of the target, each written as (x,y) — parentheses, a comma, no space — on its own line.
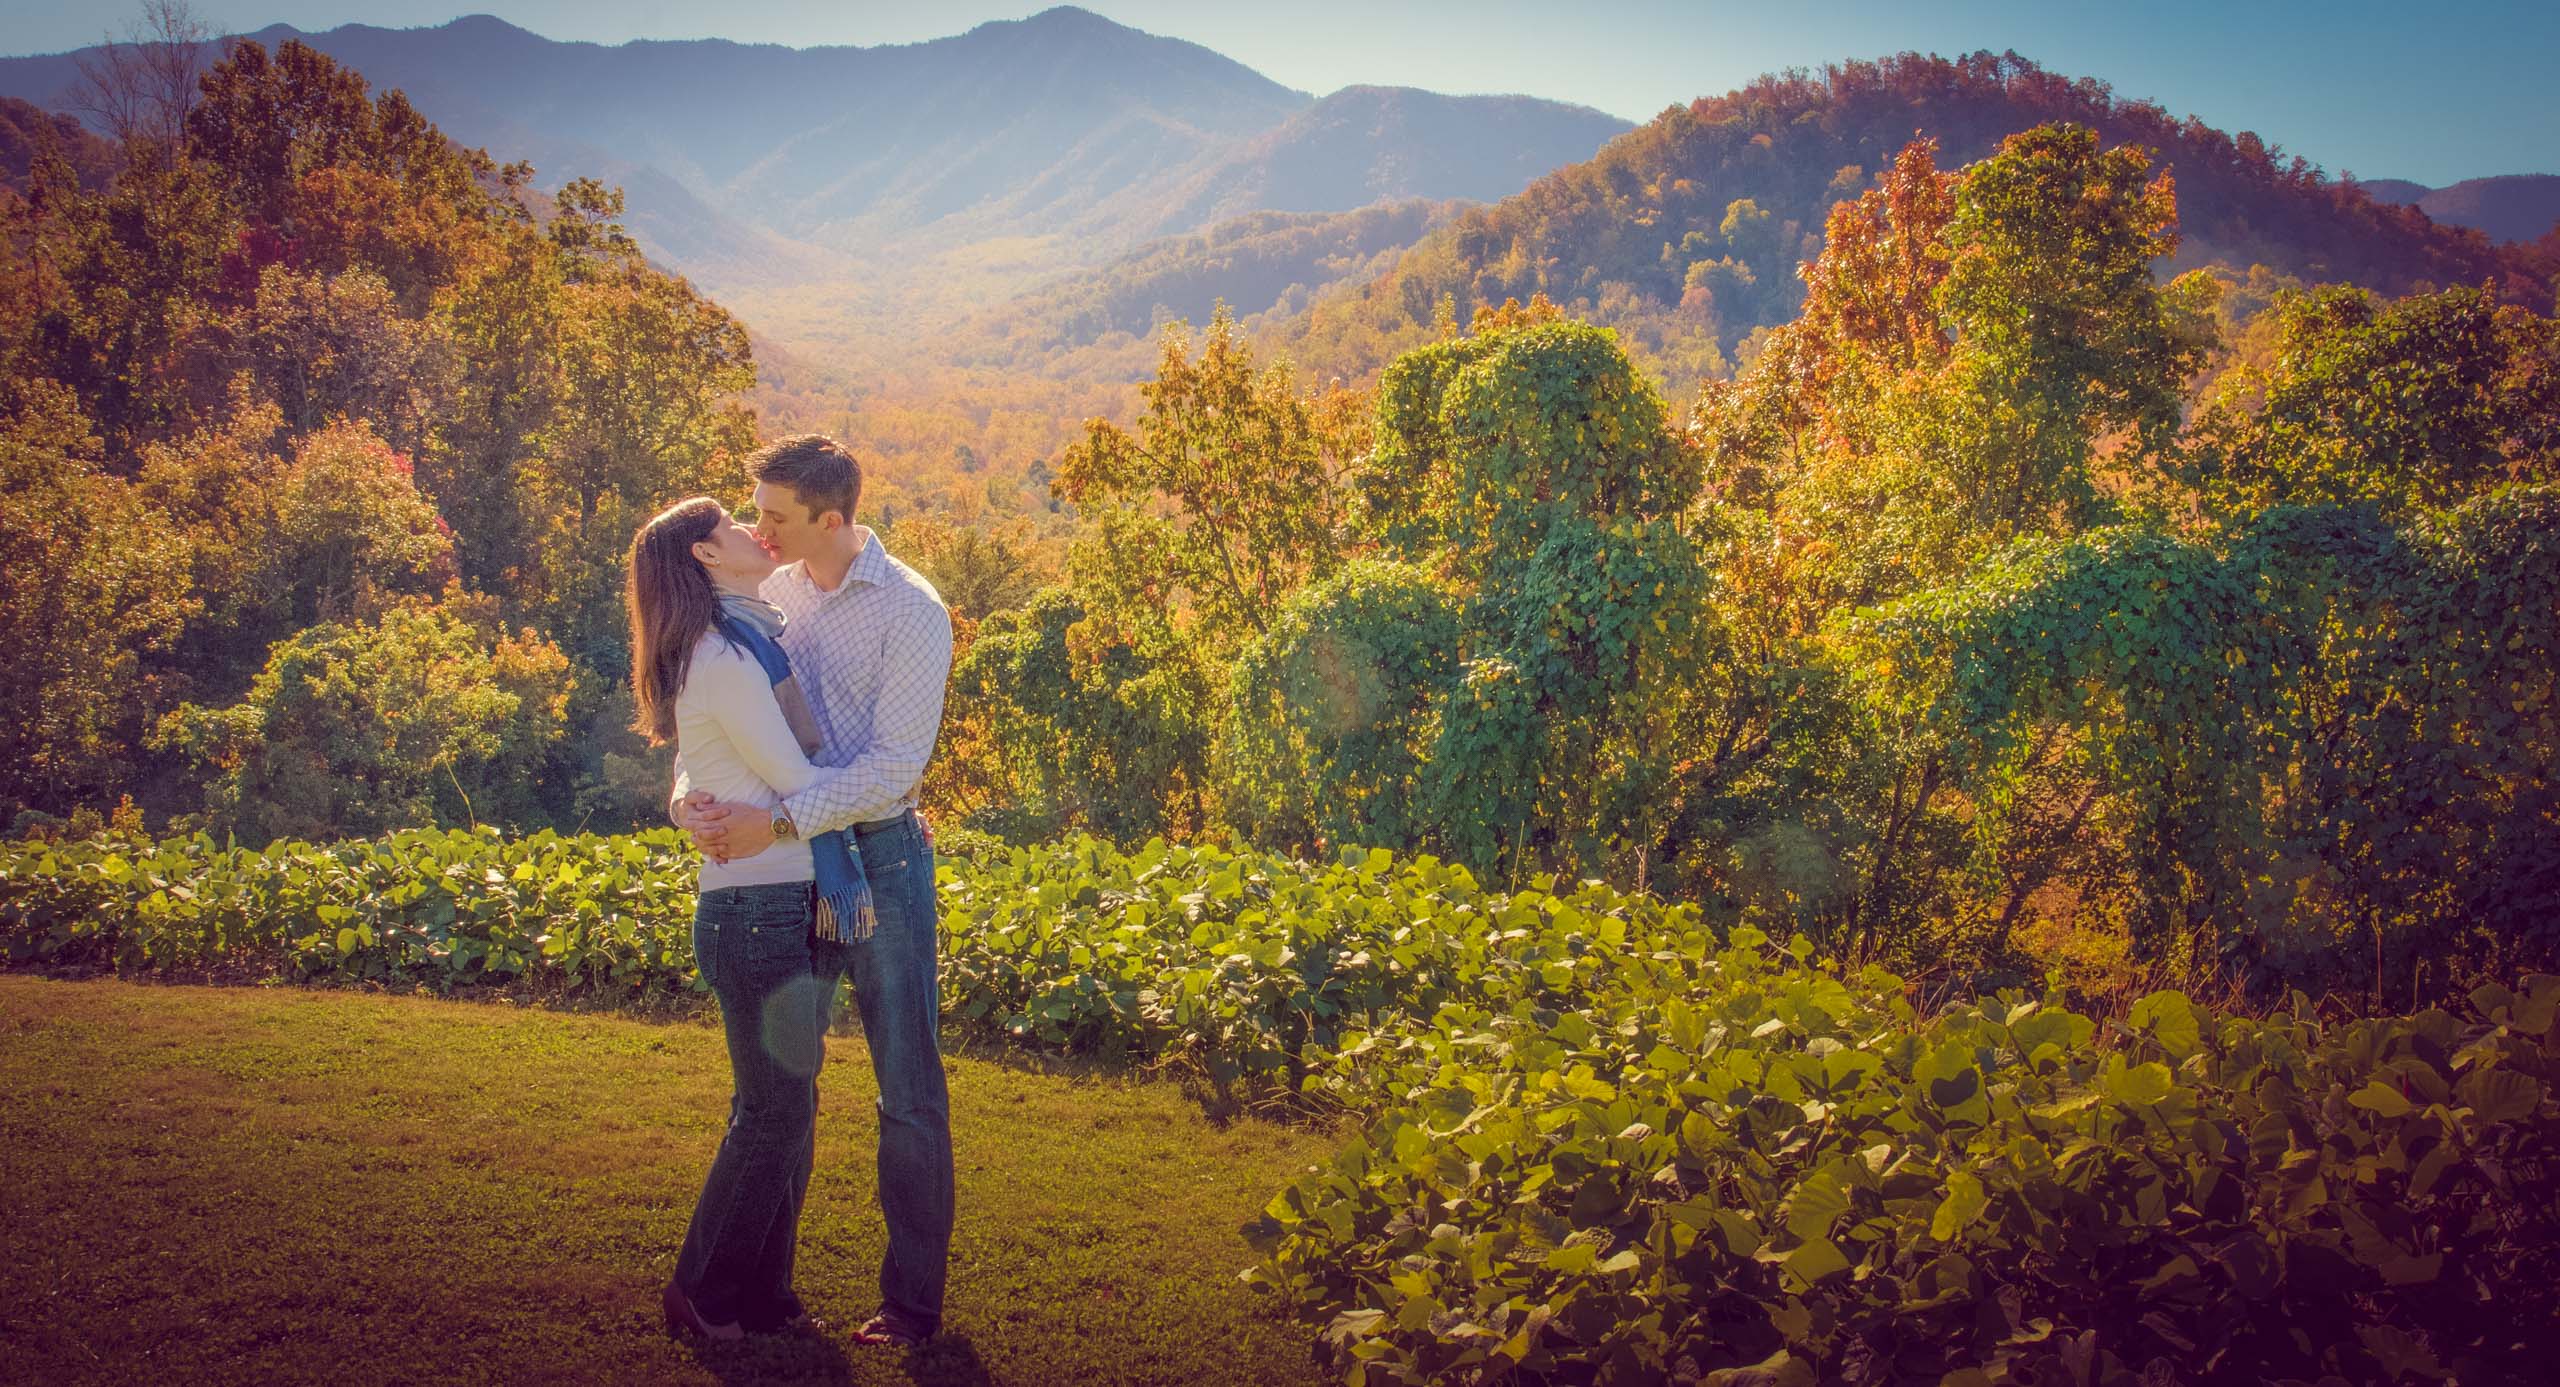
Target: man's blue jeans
(896,991)
(752,945)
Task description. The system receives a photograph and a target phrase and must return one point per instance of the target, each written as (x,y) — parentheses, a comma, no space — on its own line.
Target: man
(870,645)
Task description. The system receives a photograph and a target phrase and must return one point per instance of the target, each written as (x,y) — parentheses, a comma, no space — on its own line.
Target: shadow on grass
(819,1359)
(1220,1101)
(948,1360)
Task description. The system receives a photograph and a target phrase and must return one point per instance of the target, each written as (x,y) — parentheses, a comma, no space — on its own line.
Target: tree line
(2015,607)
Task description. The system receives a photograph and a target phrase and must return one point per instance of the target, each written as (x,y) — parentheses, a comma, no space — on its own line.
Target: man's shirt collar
(870,567)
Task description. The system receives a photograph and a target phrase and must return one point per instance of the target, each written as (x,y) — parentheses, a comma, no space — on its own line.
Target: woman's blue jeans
(752,945)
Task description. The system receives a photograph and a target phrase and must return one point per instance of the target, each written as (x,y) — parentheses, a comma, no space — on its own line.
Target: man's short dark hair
(819,470)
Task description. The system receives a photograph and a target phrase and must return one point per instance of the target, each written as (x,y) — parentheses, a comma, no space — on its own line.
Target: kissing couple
(799,671)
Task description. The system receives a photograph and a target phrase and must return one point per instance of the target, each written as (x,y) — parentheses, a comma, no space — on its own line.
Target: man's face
(786,529)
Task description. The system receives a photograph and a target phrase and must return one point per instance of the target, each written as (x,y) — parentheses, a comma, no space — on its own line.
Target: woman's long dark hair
(671,602)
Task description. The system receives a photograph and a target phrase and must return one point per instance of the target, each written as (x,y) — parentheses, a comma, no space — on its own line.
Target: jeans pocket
(755,932)
(776,937)
(889,854)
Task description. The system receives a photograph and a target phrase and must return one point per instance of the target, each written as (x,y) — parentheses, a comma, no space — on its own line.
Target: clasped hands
(724,831)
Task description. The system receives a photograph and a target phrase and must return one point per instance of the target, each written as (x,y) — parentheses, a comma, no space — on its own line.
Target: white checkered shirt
(872,657)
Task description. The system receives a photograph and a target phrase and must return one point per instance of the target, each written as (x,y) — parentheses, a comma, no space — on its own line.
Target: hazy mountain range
(1016,193)
(746,162)
(2510,207)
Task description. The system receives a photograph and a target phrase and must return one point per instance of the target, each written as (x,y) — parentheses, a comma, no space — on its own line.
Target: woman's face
(732,555)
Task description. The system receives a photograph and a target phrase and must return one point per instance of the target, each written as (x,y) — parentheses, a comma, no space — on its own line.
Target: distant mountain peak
(1062,21)
(488,24)
(1073,14)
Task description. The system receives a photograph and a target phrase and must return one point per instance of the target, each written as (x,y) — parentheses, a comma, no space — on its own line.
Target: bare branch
(140,89)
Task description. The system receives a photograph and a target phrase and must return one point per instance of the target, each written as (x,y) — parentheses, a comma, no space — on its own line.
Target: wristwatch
(783,829)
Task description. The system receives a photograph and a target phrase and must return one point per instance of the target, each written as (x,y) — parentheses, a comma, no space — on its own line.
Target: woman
(709,675)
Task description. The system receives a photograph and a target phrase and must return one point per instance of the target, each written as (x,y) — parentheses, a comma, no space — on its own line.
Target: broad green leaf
(2499,1095)
(2381,1098)
(1816,1203)
(2170,1019)
(1964,1203)
(2144,1083)
(1814,1260)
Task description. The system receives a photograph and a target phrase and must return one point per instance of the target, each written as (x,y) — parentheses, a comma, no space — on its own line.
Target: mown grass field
(281,1185)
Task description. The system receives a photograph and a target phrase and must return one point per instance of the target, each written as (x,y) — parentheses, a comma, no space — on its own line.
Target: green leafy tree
(500,318)
(425,716)
(978,569)
(646,413)
(339,347)
(87,597)
(1330,712)
(1532,465)
(2411,405)
(1975,351)
(335,532)
(1223,499)
(107,296)
(1094,724)
(2316,750)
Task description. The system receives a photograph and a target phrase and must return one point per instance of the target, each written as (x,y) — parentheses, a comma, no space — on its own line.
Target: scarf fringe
(831,923)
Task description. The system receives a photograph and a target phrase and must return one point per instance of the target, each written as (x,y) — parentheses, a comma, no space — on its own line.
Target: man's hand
(726,832)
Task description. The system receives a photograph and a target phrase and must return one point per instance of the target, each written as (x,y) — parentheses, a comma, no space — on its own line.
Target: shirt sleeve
(684,786)
(735,693)
(916,651)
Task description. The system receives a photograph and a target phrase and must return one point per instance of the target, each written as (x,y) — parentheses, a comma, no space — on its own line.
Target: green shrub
(1772,1173)
(435,908)
(1259,966)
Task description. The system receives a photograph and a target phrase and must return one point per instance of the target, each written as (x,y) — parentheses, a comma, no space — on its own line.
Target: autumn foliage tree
(84,606)
(332,361)
(1224,497)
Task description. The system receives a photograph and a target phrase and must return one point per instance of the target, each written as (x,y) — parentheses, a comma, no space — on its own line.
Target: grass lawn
(278,1185)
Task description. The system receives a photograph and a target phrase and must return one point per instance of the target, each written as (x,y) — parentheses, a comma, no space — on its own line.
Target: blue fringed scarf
(844,892)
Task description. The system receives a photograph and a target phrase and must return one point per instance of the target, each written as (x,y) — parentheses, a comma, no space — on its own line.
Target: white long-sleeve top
(873,655)
(733,741)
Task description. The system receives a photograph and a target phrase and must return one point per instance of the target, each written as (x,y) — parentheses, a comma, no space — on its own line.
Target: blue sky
(2435,92)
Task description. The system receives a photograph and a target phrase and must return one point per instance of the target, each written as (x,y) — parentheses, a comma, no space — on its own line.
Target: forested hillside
(27,129)
(2174,624)
(2508,207)
(1103,321)
(1686,233)
(1367,145)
